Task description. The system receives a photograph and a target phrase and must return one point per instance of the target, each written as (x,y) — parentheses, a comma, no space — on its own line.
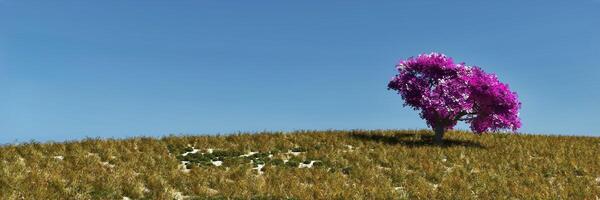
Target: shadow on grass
(411,140)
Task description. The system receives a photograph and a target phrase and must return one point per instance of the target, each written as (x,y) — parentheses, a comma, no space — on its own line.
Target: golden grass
(379,164)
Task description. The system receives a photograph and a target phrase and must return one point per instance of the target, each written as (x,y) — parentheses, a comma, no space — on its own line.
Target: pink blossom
(446,92)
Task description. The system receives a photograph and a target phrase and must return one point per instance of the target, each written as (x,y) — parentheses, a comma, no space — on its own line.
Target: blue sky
(71,69)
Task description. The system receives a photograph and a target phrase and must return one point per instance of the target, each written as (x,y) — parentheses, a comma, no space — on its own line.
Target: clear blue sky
(70,69)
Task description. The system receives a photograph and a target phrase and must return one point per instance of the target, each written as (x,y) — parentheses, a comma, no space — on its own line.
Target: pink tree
(446,92)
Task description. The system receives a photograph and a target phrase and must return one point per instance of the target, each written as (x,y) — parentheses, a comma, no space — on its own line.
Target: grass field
(379,164)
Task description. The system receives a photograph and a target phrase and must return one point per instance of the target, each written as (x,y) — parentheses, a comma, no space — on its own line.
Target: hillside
(380,164)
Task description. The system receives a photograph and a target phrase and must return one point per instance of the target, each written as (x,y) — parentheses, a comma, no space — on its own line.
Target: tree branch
(466,119)
(460,116)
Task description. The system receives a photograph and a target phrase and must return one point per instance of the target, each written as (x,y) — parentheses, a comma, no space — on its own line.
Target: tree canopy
(446,92)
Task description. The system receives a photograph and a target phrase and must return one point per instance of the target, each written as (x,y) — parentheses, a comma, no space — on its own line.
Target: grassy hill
(379,164)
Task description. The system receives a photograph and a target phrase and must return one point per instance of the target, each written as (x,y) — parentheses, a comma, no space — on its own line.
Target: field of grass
(379,164)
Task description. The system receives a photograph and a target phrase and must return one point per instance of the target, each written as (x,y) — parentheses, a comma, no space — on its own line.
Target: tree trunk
(439,135)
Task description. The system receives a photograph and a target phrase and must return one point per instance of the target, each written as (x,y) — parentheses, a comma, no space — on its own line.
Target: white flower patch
(259,168)
(349,147)
(58,157)
(294,153)
(183,166)
(107,164)
(209,150)
(309,165)
(194,151)
(217,163)
(126,198)
(249,154)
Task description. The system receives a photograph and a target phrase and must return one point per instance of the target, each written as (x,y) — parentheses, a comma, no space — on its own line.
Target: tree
(446,92)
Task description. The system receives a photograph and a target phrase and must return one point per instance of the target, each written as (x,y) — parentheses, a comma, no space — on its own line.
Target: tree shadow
(414,140)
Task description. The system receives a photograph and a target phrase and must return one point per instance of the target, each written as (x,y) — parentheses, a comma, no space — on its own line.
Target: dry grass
(382,164)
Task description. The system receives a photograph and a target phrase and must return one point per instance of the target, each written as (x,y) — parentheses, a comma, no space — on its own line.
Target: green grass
(380,164)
